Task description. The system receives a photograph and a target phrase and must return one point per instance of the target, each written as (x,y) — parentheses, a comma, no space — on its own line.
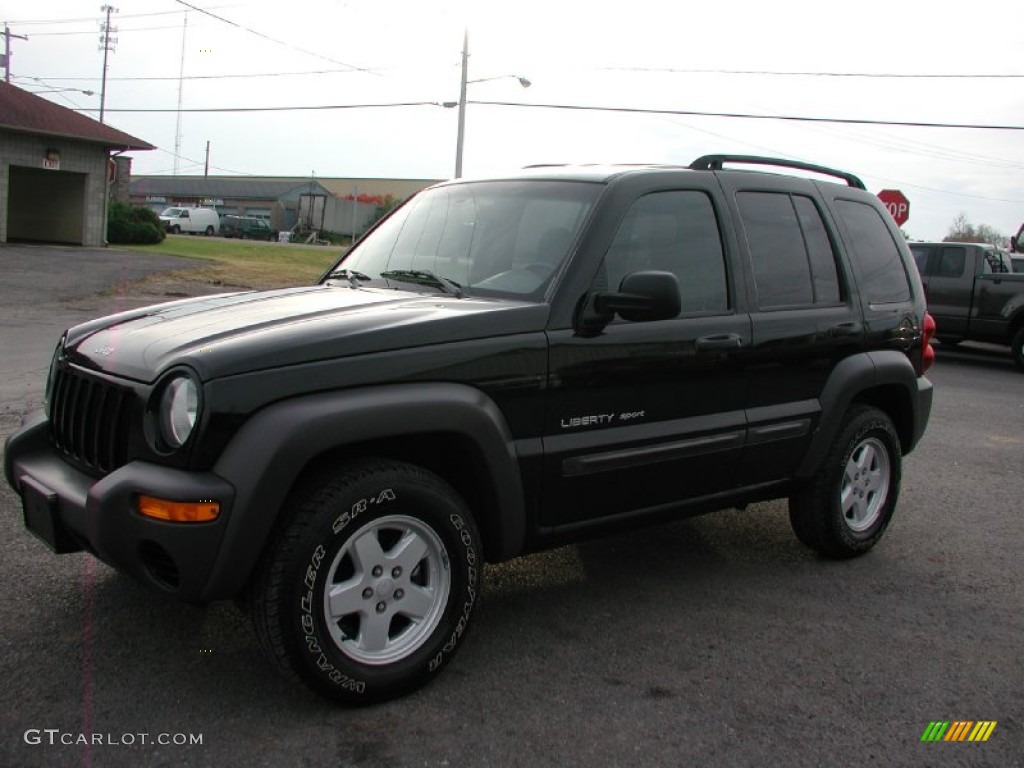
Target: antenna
(181,80)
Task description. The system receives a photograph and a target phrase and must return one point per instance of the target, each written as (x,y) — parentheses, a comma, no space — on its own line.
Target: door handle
(845,329)
(724,341)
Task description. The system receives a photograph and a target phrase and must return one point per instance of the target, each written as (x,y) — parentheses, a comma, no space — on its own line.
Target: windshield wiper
(354,278)
(425,277)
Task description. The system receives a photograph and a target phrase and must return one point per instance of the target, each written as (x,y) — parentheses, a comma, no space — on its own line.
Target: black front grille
(89,420)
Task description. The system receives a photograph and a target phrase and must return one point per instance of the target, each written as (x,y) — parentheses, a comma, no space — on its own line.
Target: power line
(88,32)
(745,116)
(268,37)
(773,73)
(219,77)
(92,18)
(584,108)
(290,109)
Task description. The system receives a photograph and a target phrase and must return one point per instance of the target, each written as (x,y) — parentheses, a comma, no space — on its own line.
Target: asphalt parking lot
(715,641)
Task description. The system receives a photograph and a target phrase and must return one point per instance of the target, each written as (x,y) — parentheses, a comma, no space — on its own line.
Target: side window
(877,261)
(921,253)
(952,260)
(993,262)
(819,250)
(673,232)
(790,250)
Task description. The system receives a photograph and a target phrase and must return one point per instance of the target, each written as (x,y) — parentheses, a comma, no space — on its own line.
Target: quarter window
(878,264)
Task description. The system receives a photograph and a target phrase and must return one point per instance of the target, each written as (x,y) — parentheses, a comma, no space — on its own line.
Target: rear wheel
(845,508)
(369,583)
(209,231)
(1017,348)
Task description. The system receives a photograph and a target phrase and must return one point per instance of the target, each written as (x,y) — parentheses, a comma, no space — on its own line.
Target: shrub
(127,225)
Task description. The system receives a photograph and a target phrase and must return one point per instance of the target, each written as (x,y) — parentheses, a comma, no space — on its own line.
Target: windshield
(495,238)
(171,213)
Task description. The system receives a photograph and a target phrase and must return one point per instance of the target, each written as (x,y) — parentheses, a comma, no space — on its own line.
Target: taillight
(927,350)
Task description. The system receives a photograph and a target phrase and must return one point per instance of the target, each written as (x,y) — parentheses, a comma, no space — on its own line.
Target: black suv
(246,228)
(500,366)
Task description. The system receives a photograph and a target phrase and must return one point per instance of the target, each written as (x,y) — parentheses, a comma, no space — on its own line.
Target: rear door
(650,414)
(802,313)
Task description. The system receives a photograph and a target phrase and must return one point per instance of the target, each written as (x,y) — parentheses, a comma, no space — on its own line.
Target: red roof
(25,112)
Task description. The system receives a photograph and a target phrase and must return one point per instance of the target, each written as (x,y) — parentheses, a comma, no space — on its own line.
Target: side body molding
(269,452)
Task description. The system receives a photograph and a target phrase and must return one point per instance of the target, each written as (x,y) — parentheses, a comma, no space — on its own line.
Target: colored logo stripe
(958,730)
(982,730)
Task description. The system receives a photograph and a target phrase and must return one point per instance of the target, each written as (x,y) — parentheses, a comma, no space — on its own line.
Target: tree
(963,231)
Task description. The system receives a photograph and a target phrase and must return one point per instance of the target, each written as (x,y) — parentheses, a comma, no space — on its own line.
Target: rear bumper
(922,411)
(71,511)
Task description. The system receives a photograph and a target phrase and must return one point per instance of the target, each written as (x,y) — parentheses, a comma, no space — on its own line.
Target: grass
(246,262)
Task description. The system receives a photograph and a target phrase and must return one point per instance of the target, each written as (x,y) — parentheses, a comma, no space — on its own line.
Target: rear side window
(790,250)
(921,253)
(877,261)
(952,260)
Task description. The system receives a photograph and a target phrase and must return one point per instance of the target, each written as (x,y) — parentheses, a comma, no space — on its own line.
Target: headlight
(179,410)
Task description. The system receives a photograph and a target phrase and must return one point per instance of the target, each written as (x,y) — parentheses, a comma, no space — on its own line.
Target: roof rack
(715,163)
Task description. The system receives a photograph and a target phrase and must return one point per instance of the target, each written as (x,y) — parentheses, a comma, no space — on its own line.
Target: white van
(194,220)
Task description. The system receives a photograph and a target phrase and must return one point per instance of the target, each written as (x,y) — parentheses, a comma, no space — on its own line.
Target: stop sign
(898,205)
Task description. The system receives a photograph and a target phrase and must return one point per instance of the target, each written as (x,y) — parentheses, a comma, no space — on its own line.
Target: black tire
(1017,348)
(396,620)
(845,508)
(209,231)
(175,229)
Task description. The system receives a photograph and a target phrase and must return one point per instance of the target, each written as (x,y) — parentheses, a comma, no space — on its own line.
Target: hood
(236,333)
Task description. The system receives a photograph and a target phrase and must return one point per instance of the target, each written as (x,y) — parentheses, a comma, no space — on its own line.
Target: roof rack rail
(715,163)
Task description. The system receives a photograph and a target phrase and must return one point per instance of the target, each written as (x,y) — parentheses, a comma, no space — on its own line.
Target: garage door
(46,206)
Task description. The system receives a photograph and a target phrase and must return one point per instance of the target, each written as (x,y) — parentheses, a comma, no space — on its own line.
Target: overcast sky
(723,56)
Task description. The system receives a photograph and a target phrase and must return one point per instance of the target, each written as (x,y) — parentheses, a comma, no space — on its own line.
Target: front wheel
(1017,348)
(368,585)
(175,229)
(845,508)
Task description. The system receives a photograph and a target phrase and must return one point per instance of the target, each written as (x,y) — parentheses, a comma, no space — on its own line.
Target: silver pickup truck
(973,294)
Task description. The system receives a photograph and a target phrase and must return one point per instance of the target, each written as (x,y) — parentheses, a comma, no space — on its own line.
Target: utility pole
(462,104)
(7,51)
(106,42)
(206,168)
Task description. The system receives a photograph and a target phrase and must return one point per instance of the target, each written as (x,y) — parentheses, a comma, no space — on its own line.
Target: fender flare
(851,378)
(272,448)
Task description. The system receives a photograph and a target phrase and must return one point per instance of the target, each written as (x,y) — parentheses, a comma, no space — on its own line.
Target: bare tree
(963,231)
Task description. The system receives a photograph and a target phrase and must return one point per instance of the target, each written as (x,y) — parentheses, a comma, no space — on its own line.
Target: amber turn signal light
(178,511)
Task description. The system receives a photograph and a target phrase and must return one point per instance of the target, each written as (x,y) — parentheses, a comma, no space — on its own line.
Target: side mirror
(642,297)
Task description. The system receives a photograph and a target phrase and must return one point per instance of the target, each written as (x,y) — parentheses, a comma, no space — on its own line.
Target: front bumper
(71,511)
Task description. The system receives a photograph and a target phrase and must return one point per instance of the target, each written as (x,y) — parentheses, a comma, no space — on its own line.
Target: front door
(650,414)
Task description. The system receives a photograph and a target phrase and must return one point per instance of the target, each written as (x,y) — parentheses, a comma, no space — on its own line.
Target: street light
(460,139)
